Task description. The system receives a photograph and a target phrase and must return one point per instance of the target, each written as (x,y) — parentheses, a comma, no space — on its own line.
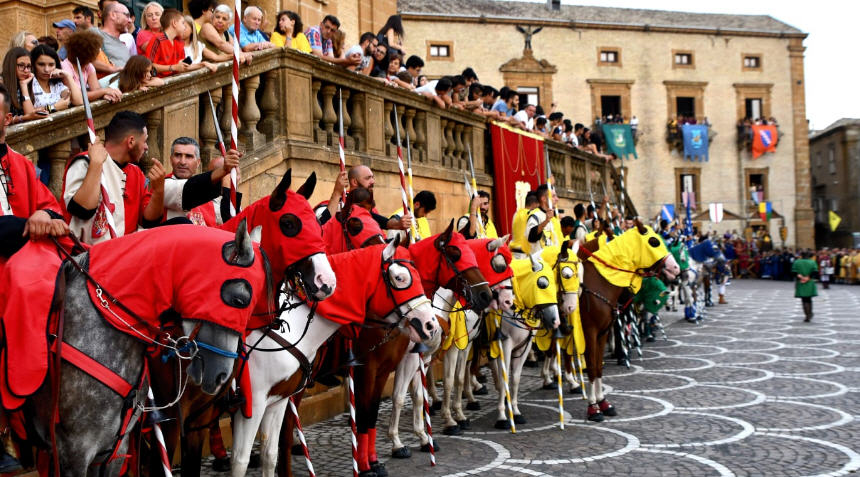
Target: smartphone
(42,113)
(187,60)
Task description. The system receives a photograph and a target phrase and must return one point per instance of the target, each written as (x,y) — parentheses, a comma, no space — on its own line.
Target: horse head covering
(198,272)
(494,264)
(534,282)
(565,264)
(290,231)
(442,257)
(367,273)
(355,231)
(636,249)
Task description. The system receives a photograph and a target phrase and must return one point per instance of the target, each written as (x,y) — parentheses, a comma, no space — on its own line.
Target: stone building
(834,154)
(654,65)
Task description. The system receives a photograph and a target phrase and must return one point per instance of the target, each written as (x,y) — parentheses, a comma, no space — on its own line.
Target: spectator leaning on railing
(52,88)
(366,47)
(152,26)
(17,76)
(413,65)
(138,75)
(195,50)
(320,39)
(251,38)
(288,32)
(84,47)
(116,54)
(167,51)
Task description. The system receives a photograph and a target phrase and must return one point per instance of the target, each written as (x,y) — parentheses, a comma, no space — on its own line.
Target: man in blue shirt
(63,30)
(251,38)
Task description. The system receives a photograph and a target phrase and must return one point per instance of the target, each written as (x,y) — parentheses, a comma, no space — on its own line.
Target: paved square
(751,391)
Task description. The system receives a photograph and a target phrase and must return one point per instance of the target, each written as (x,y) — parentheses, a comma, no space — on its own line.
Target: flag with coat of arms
(715,212)
(667,212)
(765,209)
(695,141)
(619,140)
(765,138)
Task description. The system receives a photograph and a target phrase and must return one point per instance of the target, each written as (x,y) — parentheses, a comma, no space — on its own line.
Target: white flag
(716,212)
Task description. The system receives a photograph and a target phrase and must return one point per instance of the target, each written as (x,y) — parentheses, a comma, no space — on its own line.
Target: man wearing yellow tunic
(468,225)
(425,202)
(542,226)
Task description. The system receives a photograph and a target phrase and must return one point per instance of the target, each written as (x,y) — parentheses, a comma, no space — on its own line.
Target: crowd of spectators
(745,128)
(117,57)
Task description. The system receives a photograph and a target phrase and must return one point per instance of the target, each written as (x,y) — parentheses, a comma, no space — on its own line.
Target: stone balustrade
(289,110)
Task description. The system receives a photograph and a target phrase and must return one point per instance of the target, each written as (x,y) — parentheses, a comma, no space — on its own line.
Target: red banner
(518,165)
(764,139)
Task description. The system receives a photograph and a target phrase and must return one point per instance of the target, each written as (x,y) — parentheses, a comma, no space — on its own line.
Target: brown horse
(444,260)
(609,269)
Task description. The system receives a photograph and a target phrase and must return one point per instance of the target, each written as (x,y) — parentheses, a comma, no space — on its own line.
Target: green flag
(619,139)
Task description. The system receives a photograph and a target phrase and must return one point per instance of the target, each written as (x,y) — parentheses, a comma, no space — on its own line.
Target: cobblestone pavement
(751,391)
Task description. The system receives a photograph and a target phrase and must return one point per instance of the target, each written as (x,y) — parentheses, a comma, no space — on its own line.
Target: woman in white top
(53,88)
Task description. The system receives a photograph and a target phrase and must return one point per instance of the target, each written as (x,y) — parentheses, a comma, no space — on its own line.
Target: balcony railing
(288,111)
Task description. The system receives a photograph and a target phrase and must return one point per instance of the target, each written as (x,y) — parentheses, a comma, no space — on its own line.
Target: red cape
(434,270)
(358,235)
(26,193)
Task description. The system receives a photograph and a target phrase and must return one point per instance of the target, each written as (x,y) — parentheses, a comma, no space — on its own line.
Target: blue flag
(619,140)
(667,213)
(695,141)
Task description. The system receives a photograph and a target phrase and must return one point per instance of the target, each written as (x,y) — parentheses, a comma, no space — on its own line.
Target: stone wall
(647,80)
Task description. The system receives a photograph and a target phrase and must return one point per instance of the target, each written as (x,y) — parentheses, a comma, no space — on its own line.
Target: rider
(519,242)
(424,203)
(468,225)
(579,228)
(542,226)
(185,160)
(105,191)
(361,176)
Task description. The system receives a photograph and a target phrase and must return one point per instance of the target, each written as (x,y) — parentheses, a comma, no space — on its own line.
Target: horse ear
(641,228)
(279,195)
(446,235)
(536,266)
(564,247)
(241,250)
(307,189)
(494,245)
(391,248)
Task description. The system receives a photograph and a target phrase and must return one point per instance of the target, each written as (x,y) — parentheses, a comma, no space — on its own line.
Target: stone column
(388,128)
(58,154)
(154,120)
(419,151)
(249,112)
(319,135)
(357,130)
(329,116)
(349,143)
(271,123)
(208,123)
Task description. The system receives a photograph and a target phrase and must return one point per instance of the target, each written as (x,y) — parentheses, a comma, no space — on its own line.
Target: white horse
(274,373)
(406,376)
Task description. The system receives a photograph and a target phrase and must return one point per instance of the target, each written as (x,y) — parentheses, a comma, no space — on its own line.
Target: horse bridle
(467,288)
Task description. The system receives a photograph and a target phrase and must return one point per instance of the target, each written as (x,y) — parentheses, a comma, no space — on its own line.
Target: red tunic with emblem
(23,193)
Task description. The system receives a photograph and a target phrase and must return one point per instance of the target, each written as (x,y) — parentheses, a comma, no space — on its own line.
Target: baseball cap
(65,24)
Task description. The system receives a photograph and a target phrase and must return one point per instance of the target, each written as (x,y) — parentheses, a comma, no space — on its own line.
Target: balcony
(288,112)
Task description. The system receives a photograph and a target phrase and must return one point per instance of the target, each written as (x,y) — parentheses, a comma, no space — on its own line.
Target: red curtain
(518,156)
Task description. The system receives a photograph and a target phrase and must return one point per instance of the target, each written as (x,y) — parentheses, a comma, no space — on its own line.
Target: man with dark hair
(542,226)
(506,103)
(556,125)
(579,229)
(567,225)
(192,197)
(366,47)
(438,91)
(83,17)
(469,75)
(519,239)
(105,191)
(413,65)
(468,225)
(425,202)
(320,38)
(457,94)
(199,8)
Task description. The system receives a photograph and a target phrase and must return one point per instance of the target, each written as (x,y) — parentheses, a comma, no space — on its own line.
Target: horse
(536,303)
(291,236)
(106,323)
(608,270)
(701,258)
(494,259)
(382,278)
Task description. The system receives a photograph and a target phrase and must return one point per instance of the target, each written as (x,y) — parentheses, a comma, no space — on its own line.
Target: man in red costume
(361,176)
(105,191)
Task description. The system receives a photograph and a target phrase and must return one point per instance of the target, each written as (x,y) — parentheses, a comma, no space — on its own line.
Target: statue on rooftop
(528,32)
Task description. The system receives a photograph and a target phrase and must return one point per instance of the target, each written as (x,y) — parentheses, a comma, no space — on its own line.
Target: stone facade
(834,155)
(647,82)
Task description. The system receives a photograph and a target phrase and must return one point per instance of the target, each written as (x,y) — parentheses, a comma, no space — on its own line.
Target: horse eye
(654,242)
(567,272)
(290,225)
(453,253)
(354,226)
(498,264)
(543,283)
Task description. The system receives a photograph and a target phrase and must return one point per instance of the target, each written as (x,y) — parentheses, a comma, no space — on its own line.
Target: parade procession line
(750,391)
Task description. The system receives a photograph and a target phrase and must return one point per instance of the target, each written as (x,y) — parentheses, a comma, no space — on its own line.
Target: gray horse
(92,414)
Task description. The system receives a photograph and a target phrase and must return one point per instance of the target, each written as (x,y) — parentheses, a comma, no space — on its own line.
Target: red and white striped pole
(427,410)
(302,438)
(351,385)
(340,137)
(234,123)
(162,448)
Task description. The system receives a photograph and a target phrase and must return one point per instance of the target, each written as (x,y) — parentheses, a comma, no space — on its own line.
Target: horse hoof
(594,414)
(465,424)
(482,391)
(519,419)
(606,408)
(218,465)
(297,450)
(576,390)
(426,447)
(503,424)
(436,406)
(379,468)
(473,406)
(549,386)
(367,473)
(451,431)
(402,453)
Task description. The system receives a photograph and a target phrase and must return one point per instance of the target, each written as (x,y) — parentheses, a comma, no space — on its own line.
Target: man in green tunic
(804,285)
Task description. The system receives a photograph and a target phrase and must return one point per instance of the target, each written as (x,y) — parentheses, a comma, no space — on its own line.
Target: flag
(715,211)
(757,196)
(764,139)
(695,141)
(764,210)
(834,221)
(667,213)
(518,162)
(689,200)
(619,140)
